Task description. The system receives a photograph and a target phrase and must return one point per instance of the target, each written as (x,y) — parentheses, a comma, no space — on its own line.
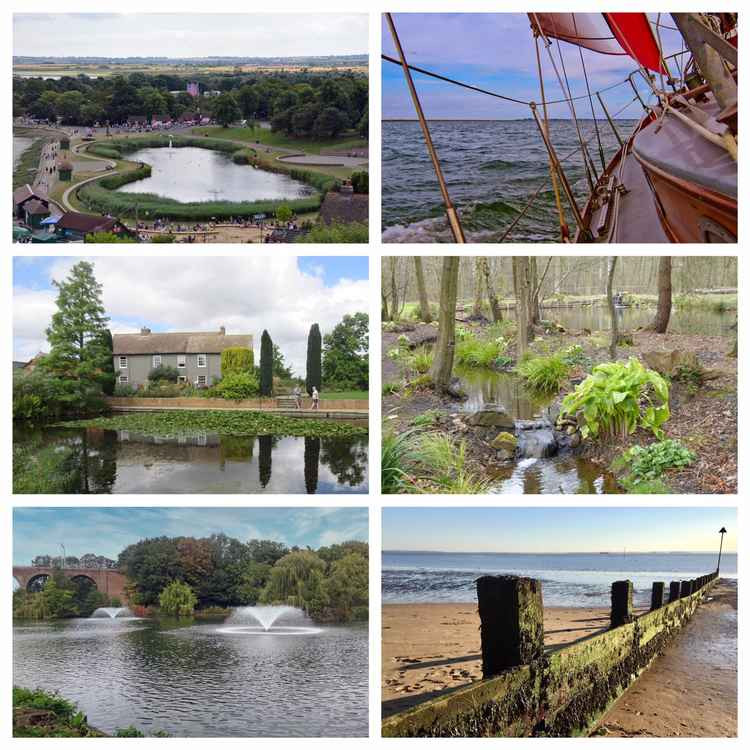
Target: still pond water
(117,461)
(191,175)
(200,680)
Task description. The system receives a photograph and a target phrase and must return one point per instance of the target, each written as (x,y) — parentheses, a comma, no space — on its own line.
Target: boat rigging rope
(593,114)
(495,94)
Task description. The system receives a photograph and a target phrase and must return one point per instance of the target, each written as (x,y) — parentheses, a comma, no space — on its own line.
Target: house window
(201,380)
(123,363)
(123,378)
(156,360)
(202,360)
(182,378)
(181,361)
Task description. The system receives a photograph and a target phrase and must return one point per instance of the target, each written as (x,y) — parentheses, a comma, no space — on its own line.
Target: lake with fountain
(261,672)
(190,175)
(122,461)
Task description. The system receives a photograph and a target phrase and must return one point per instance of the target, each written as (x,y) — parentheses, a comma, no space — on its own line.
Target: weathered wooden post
(674,591)
(622,604)
(684,589)
(512,622)
(657,595)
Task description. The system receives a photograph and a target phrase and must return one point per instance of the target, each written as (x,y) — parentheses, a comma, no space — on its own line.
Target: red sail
(607,33)
(633,32)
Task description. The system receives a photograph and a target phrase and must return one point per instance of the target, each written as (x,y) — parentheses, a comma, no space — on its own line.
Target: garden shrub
(237,359)
(165,373)
(617,398)
(237,386)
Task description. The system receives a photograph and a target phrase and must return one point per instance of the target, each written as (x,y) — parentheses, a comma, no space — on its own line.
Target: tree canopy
(345,353)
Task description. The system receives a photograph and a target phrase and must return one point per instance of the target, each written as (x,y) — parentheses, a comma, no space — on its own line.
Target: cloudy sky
(495,51)
(188,34)
(107,531)
(555,530)
(246,294)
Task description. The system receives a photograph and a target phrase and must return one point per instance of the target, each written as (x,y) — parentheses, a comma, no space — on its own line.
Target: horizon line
(579,552)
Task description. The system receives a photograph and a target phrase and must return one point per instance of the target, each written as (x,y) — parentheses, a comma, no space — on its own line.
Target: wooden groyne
(527,691)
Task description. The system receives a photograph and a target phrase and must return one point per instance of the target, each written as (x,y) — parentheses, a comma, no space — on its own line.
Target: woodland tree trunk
(664,305)
(425,315)
(522,287)
(611,263)
(534,316)
(442,363)
(497,314)
(476,310)
(394,289)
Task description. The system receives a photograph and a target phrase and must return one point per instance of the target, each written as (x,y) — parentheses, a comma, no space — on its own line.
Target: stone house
(196,356)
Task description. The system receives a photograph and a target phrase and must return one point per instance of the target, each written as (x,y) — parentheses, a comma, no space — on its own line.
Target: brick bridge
(108,581)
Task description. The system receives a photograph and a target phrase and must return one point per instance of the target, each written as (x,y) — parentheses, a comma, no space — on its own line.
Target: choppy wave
(492,169)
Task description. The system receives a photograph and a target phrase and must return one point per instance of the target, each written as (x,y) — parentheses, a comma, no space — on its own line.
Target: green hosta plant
(617,398)
(652,461)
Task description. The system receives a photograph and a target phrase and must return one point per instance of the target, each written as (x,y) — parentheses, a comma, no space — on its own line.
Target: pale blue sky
(495,51)
(551,530)
(107,531)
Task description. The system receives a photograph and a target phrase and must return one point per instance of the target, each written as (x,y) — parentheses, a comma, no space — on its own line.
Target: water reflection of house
(195,355)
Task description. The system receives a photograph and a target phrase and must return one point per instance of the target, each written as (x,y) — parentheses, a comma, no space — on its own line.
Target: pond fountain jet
(112,612)
(266,616)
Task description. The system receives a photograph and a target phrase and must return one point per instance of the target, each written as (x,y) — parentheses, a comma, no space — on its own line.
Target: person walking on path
(315,398)
(297,397)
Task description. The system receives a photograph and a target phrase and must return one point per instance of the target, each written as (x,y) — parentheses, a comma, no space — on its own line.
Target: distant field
(101,71)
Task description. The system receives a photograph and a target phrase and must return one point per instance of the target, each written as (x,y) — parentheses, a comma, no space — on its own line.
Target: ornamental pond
(192,175)
(231,677)
(124,461)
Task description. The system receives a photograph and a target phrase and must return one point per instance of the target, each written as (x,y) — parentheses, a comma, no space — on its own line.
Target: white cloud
(244,294)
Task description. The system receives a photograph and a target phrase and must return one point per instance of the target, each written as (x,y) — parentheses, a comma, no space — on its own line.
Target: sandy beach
(429,648)
(691,689)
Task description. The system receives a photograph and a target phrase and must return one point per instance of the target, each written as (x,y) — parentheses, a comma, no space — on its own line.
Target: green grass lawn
(269,138)
(331,395)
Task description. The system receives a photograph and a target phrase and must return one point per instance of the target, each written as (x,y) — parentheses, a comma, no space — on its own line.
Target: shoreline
(430,649)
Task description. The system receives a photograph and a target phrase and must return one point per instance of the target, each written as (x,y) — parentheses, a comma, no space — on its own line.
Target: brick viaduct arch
(110,582)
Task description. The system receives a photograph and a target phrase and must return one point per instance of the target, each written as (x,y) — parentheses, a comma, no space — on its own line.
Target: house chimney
(145,331)
(222,330)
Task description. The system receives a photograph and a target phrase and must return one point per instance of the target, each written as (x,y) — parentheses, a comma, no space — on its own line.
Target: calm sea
(492,169)
(568,580)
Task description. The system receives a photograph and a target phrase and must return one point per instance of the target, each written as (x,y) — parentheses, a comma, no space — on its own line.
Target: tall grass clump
(617,398)
(397,454)
(444,460)
(544,374)
(422,359)
(472,351)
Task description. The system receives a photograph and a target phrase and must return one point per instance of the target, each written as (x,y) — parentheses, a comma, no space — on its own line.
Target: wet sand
(691,689)
(432,648)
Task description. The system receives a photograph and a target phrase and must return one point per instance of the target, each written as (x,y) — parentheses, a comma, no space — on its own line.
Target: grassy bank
(102,197)
(267,137)
(248,423)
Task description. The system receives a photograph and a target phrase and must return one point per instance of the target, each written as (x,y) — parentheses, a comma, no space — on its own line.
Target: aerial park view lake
(186,626)
(585,127)
(215,147)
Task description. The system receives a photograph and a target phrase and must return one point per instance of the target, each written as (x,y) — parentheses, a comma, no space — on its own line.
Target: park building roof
(23,193)
(78,222)
(196,342)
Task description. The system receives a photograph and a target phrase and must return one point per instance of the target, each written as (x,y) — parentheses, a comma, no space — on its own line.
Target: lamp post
(722,531)
(62,547)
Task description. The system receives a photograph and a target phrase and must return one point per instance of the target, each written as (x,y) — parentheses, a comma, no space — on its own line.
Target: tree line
(330,584)
(300,104)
